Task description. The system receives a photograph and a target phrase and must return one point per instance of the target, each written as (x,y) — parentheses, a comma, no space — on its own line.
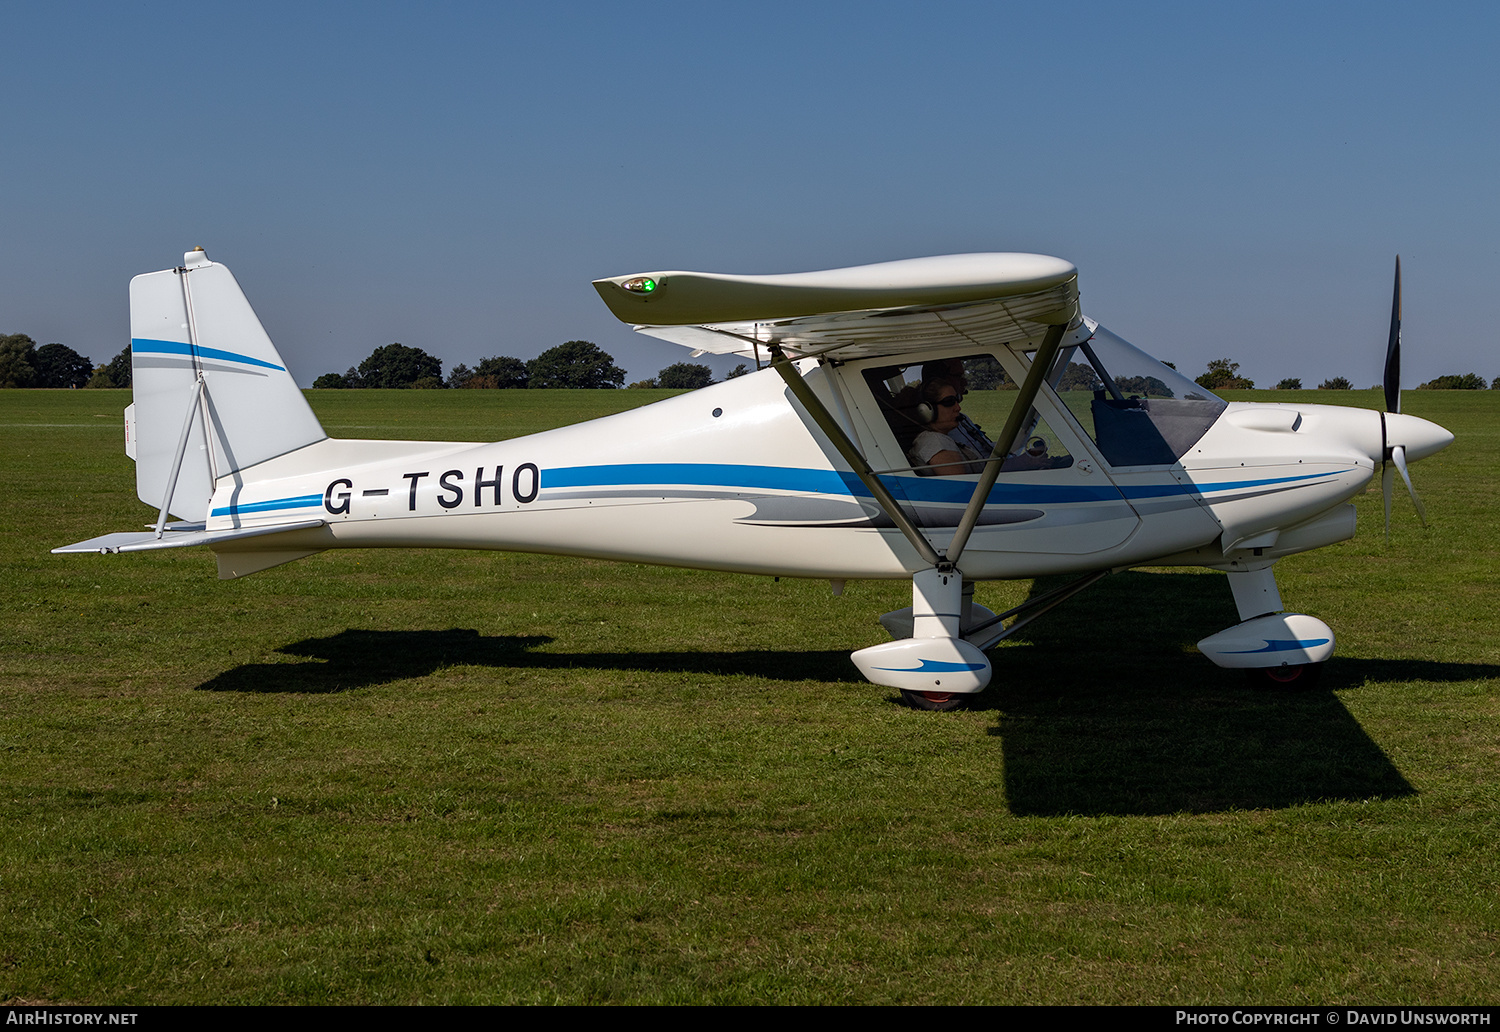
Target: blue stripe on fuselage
(825,481)
(240,508)
(1228,485)
(814,481)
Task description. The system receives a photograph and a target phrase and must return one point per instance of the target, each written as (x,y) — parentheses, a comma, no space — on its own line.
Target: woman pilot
(936,451)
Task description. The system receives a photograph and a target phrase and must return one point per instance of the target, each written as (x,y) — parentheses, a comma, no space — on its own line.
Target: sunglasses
(949,401)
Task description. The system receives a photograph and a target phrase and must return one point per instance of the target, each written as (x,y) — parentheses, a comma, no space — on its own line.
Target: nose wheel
(1299,677)
(937,702)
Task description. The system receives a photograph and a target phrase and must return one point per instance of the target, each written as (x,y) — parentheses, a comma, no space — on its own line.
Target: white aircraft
(811,467)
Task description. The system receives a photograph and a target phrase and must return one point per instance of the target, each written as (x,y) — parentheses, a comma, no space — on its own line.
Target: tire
(1303,677)
(937,702)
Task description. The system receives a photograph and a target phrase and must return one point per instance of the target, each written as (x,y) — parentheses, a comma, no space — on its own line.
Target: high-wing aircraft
(829,461)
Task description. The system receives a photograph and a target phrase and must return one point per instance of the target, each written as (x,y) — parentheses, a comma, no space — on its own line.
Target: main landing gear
(937,661)
(929,663)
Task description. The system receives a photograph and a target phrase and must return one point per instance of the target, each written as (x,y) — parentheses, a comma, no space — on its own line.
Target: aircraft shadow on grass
(361,659)
(1104,708)
(1101,707)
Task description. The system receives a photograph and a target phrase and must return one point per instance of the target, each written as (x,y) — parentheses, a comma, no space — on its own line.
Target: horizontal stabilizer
(147,541)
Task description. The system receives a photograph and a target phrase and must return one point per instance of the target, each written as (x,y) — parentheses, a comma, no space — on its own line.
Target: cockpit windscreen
(1139,411)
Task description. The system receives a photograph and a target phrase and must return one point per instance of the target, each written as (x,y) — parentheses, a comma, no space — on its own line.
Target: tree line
(578,364)
(574,364)
(23,364)
(581,364)
(1223,374)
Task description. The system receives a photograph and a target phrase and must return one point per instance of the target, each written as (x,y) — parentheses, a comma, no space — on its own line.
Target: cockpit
(1135,409)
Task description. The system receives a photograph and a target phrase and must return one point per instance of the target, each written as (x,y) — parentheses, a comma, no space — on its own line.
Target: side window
(937,411)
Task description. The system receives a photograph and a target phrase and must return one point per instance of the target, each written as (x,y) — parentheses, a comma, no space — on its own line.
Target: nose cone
(1419,437)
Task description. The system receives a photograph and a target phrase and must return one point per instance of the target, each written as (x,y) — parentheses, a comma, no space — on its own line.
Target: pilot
(936,451)
(967,432)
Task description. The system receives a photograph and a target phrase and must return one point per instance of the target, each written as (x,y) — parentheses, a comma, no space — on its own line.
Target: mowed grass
(456,777)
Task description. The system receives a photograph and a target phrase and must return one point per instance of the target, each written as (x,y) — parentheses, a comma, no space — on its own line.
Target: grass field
(456,777)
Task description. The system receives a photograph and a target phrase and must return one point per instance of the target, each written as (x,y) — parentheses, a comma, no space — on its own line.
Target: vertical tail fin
(203,369)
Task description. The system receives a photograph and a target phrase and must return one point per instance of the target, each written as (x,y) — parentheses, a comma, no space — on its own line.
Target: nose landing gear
(1284,651)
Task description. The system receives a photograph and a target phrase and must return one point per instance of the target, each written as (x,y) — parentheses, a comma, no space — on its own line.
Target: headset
(926,412)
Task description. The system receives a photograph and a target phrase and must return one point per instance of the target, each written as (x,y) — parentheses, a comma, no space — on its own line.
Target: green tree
(1454,382)
(1224,375)
(58,365)
(330,382)
(17,360)
(121,368)
(576,363)
(1079,376)
(396,365)
(506,372)
(1291,383)
(986,374)
(685,376)
(1337,383)
(114,373)
(742,369)
(1147,386)
(642,385)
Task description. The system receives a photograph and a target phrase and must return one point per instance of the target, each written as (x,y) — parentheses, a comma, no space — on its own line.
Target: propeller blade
(1398,456)
(1387,482)
(1392,380)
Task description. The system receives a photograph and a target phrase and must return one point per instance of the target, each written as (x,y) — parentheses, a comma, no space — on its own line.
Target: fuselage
(735,477)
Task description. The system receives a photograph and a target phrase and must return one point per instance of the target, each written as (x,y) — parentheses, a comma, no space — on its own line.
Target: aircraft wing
(919,304)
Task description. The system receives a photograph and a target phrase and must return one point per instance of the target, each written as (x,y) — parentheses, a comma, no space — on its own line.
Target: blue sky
(1232,181)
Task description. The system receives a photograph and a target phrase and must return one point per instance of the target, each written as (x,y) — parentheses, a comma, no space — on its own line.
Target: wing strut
(1040,363)
(851,453)
(987,635)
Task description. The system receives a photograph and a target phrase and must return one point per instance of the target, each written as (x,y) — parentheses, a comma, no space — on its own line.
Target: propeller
(1395,454)
(1392,381)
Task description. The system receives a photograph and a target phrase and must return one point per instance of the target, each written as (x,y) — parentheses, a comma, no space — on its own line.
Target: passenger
(950,369)
(936,452)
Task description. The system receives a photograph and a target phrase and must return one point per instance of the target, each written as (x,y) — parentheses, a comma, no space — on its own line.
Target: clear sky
(1231,180)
